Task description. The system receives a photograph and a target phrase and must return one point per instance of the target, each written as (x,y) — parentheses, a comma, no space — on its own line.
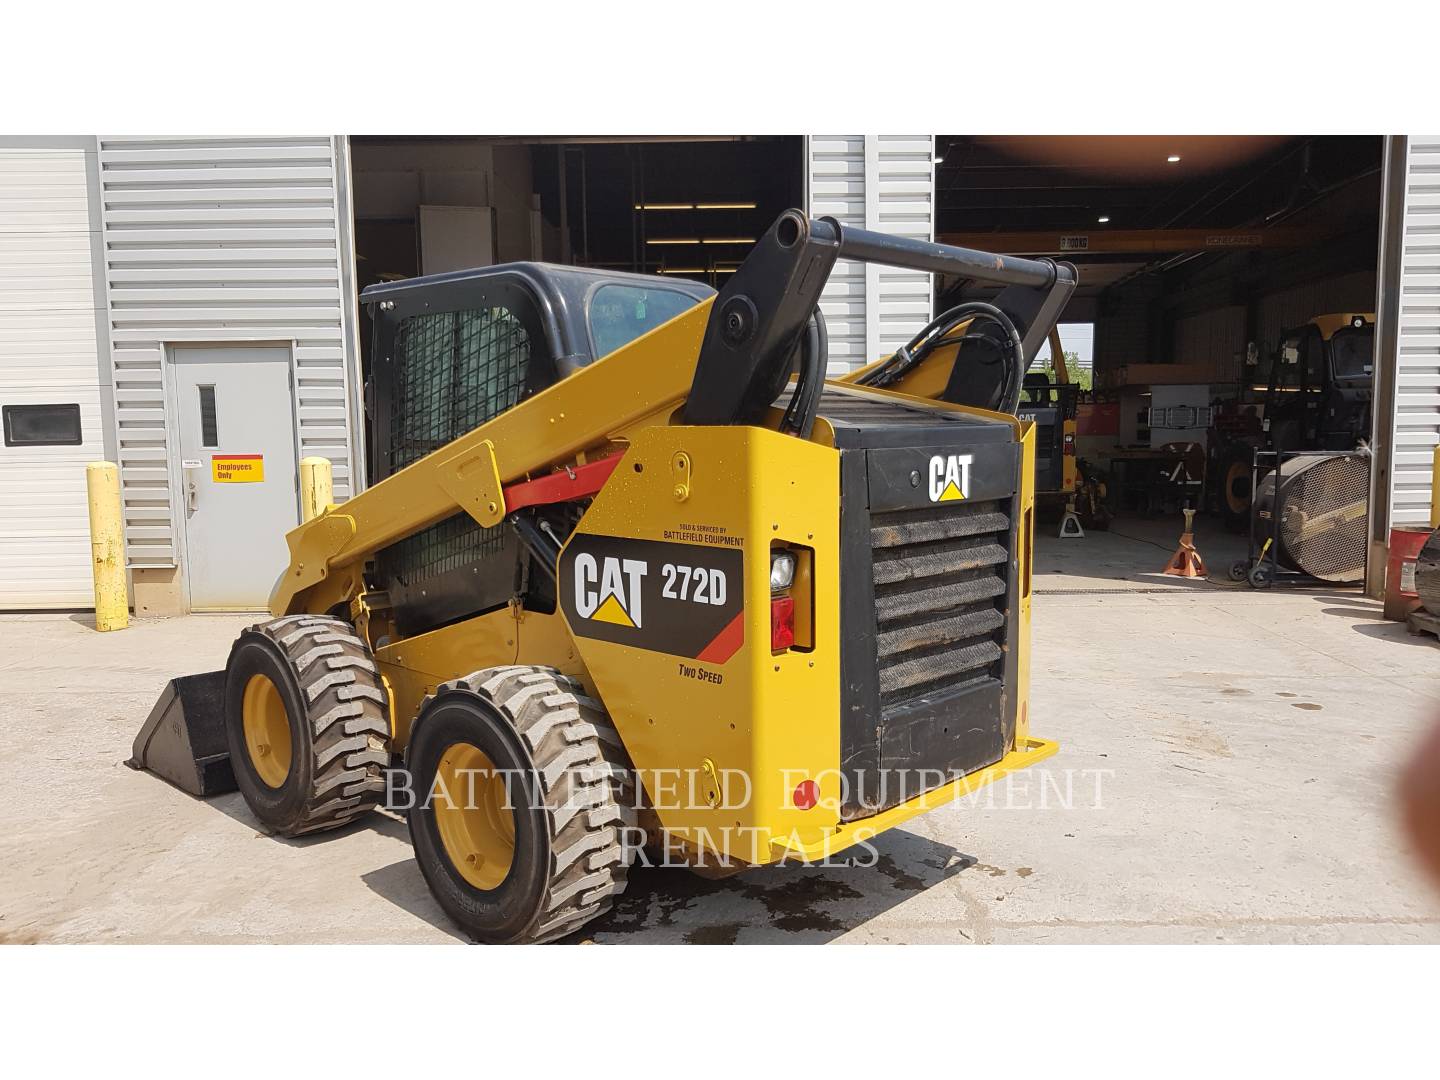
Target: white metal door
(238,482)
(49,378)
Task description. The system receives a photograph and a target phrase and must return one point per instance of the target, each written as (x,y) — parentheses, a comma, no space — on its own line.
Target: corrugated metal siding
(48,355)
(900,199)
(1289,308)
(1417,369)
(1122,330)
(219,240)
(1216,338)
(886,183)
(837,189)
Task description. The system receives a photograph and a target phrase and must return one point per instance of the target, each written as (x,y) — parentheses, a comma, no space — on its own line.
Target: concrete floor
(1226,775)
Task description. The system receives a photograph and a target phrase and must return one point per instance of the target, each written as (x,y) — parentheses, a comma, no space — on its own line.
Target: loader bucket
(183,739)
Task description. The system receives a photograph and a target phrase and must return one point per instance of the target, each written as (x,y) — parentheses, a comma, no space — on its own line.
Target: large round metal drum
(1321,502)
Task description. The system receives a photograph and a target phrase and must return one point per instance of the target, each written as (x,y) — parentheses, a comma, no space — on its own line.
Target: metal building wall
(49,328)
(1215,338)
(886,183)
(1288,308)
(1408,338)
(224,241)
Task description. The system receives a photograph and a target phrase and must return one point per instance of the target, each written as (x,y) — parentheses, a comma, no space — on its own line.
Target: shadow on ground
(780,904)
(403,885)
(1370,619)
(381,821)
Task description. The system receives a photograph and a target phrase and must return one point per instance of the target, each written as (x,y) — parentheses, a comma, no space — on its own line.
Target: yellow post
(1435,489)
(317,487)
(107,546)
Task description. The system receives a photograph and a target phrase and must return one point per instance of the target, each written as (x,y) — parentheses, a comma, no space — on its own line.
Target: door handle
(190,492)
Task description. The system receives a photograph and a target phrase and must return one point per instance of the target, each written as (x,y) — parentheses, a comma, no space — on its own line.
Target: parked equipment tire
(1239,571)
(307,723)
(1235,470)
(1261,577)
(524,819)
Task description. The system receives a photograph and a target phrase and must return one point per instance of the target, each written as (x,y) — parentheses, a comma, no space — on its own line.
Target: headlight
(782,571)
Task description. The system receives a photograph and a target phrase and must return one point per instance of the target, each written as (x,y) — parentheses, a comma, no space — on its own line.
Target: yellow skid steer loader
(634,576)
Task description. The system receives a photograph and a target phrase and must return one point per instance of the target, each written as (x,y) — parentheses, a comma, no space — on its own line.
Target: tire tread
(346,715)
(584,779)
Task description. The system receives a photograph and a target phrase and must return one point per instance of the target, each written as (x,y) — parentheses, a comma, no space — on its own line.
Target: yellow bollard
(1435,489)
(317,487)
(107,546)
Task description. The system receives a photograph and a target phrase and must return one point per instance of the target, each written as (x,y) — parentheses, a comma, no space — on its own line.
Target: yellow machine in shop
(634,576)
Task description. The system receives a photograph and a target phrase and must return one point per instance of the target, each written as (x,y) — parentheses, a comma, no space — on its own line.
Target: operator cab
(455,350)
(1318,393)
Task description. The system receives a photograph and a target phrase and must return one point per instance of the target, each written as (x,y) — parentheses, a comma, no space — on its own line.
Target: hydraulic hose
(799,418)
(933,336)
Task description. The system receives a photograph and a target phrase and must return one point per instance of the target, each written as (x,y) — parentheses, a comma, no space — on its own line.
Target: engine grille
(940,582)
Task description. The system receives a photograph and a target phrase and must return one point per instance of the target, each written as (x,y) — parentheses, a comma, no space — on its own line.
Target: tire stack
(1427,574)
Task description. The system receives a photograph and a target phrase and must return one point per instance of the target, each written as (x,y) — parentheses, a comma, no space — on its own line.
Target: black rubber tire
(338,716)
(1239,571)
(575,828)
(1261,577)
(1234,469)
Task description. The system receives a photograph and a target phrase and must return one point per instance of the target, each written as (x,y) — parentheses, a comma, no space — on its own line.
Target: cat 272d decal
(681,599)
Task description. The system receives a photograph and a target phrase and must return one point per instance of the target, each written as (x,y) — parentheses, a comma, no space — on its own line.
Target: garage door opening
(1215,272)
(676,207)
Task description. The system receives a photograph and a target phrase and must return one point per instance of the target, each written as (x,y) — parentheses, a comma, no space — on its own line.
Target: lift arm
(750,343)
(726,360)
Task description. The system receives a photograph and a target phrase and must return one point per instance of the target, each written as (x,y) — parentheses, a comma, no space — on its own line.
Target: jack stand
(1186,561)
(1070,523)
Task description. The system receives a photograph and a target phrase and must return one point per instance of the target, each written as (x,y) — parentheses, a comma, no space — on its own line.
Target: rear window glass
(621,313)
(1354,351)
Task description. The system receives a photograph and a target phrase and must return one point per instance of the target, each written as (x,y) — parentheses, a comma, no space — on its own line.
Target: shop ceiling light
(1103,219)
(695,206)
(728,240)
(673,240)
(682,270)
(1173,158)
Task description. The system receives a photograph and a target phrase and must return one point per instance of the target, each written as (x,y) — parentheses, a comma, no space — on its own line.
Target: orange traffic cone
(1186,561)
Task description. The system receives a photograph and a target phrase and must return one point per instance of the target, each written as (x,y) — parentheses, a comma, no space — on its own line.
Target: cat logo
(609,590)
(950,477)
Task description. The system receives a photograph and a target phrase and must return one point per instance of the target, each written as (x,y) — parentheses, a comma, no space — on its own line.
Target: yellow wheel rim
(474,815)
(267,730)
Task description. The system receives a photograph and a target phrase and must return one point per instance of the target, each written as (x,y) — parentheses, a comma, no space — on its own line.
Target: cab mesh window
(454,371)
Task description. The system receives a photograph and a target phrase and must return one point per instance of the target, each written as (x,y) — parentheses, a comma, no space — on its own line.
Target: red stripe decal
(563,486)
(726,643)
(236,457)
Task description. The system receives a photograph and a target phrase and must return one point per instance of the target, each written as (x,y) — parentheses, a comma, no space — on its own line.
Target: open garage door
(678,207)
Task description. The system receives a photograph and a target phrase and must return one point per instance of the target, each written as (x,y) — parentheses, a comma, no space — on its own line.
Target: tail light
(792,597)
(782,623)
